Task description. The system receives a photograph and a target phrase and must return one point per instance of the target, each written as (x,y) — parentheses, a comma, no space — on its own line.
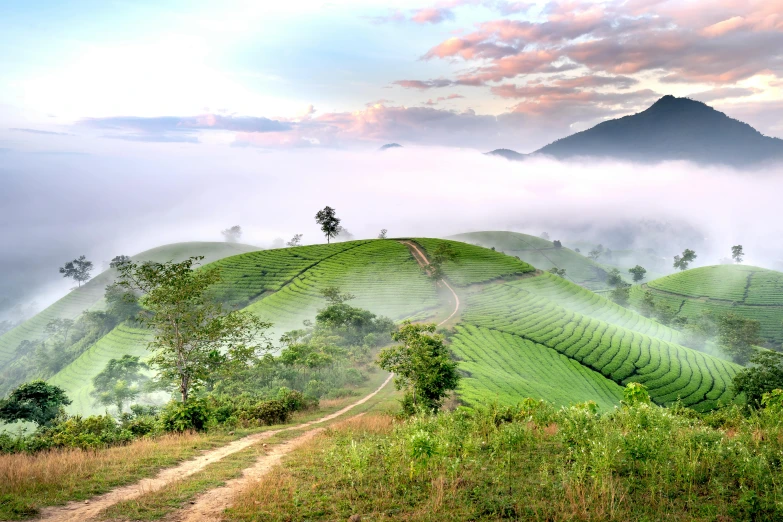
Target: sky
(121,78)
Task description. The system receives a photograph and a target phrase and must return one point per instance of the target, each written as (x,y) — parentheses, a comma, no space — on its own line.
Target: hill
(672,129)
(90,295)
(752,292)
(509,154)
(542,254)
(517,333)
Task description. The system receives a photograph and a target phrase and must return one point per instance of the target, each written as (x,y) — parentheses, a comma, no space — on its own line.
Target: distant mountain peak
(390,146)
(506,153)
(672,129)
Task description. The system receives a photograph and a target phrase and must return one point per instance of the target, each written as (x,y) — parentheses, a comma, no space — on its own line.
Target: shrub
(193,415)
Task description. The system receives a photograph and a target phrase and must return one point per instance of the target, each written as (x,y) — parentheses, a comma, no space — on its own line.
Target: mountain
(672,129)
(390,146)
(509,154)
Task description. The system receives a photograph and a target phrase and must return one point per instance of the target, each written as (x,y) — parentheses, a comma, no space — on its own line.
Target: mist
(54,208)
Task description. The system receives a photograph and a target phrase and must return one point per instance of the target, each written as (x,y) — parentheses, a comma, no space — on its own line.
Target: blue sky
(355,74)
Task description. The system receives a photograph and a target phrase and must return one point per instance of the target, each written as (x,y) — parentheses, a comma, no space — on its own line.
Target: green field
(543,255)
(753,292)
(520,332)
(91,293)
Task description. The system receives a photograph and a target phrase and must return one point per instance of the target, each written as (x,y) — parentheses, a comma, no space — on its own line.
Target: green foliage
(620,295)
(614,278)
(773,401)
(183,416)
(193,336)
(738,336)
(119,382)
(422,366)
(329,222)
(763,377)
(79,270)
(35,401)
(635,394)
(559,272)
(737,254)
(638,272)
(681,262)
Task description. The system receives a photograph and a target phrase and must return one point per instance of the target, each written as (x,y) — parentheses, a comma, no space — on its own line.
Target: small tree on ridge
(329,222)
(79,270)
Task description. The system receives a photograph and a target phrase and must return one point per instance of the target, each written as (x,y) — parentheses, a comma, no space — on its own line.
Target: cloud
(439,99)
(36,131)
(723,93)
(431,15)
(152,138)
(424,84)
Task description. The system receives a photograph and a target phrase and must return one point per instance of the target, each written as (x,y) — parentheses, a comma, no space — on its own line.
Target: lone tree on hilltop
(329,222)
(638,272)
(595,253)
(382,235)
(189,327)
(422,366)
(737,254)
(232,234)
(120,382)
(295,241)
(79,270)
(118,260)
(35,401)
(685,259)
(557,243)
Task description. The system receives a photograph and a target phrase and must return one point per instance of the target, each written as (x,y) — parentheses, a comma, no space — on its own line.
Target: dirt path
(80,511)
(420,258)
(211,505)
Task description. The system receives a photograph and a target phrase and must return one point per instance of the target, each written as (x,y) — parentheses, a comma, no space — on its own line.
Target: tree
(738,336)
(544,235)
(621,295)
(685,259)
(35,401)
(647,306)
(121,304)
(295,241)
(79,269)
(422,366)
(119,260)
(614,278)
(119,382)
(561,272)
(766,375)
(188,325)
(329,222)
(638,272)
(557,243)
(59,328)
(595,253)
(442,253)
(382,235)
(737,254)
(232,234)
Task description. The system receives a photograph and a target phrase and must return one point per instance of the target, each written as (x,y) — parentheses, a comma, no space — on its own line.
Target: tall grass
(533,463)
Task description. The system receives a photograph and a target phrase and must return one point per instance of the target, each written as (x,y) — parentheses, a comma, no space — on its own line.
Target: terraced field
(542,254)
(670,371)
(476,264)
(753,292)
(91,294)
(505,368)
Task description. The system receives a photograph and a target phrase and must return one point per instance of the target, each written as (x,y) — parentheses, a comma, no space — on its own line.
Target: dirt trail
(211,505)
(80,511)
(420,258)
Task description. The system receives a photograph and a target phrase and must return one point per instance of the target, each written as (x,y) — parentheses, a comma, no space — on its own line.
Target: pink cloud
(431,15)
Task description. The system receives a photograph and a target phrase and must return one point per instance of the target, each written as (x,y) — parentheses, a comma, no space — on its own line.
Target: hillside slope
(542,254)
(752,292)
(90,295)
(672,129)
(518,332)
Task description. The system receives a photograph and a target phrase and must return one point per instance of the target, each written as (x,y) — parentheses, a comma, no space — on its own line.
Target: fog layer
(55,208)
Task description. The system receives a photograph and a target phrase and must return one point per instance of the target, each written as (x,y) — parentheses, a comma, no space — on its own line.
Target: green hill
(752,292)
(90,295)
(518,332)
(542,254)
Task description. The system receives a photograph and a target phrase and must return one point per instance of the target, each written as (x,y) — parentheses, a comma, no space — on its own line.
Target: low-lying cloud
(54,209)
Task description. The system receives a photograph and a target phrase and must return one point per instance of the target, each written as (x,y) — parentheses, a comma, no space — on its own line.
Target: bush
(196,414)
(267,412)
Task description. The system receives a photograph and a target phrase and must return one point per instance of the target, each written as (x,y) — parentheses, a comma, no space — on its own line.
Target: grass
(752,292)
(542,254)
(533,463)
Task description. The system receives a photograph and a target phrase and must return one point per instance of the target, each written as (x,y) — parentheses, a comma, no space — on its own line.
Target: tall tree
(35,401)
(737,254)
(638,272)
(329,222)
(682,262)
(119,382)
(422,366)
(382,234)
(79,269)
(295,241)
(232,234)
(188,325)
